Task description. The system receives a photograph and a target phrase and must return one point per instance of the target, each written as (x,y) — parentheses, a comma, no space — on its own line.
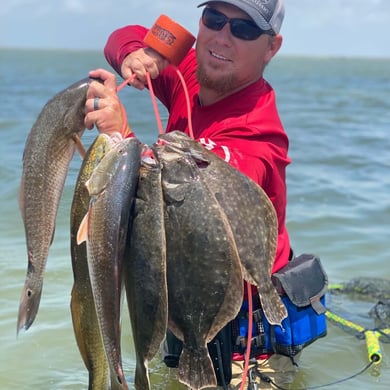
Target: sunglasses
(240,28)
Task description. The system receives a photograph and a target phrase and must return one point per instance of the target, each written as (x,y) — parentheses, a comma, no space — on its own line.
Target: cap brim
(203,4)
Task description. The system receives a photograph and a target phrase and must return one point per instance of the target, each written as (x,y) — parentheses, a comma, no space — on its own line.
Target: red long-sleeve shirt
(243,128)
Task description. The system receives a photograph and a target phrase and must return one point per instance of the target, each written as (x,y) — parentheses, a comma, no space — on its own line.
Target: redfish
(111,188)
(84,317)
(49,149)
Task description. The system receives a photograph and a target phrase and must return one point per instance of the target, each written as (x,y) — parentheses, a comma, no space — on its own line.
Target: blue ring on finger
(96,103)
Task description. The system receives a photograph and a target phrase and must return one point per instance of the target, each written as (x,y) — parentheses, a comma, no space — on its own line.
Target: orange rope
(153,97)
(187,102)
(154,102)
(125,128)
(127,81)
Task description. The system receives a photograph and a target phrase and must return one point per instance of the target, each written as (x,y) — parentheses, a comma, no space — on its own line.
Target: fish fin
(196,369)
(79,146)
(273,307)
(75,307)
(82,233)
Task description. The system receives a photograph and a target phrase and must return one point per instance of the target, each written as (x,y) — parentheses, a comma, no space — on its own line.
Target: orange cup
(169,39)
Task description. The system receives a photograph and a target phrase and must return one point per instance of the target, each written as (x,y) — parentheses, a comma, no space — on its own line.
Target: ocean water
(337,114)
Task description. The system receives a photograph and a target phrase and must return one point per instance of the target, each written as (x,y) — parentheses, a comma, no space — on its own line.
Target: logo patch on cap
(263,5)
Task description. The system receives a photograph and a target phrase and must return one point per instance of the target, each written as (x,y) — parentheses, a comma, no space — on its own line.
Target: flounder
(204,277)
(251,216)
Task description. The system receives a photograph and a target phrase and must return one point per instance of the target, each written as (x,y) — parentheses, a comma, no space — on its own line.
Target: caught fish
(49,149)
(85,322)
(251,216)
(145,270)
(205,288)
(112,189)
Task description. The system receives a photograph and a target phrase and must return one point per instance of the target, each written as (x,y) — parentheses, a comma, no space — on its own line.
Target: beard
(221,85)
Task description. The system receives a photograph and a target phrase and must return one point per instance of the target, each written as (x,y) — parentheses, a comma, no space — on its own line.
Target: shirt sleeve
(122,42)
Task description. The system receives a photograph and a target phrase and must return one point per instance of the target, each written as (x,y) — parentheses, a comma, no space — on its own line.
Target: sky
(311,27)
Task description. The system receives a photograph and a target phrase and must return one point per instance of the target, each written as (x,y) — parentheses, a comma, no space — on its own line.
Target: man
(234,111)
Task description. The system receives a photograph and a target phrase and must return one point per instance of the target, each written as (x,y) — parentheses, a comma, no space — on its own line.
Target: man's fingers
(109,78)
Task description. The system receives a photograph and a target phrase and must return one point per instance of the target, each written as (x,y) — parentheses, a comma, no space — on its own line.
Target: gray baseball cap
(267,14)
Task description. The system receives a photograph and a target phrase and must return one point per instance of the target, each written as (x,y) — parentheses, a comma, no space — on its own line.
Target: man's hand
(103,108)
(140,62)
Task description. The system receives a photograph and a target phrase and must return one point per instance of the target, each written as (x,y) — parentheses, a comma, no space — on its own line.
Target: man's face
(227,63)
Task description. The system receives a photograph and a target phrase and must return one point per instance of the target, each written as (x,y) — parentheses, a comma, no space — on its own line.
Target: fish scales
(48,151)
(84,317)
(204,277)
(112,189)
(251,216)
(145,279)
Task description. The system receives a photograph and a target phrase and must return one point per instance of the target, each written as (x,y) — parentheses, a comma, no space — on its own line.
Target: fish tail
(141,380)
(118,380)
(273,307)
(196,368)
(114,384)
(28,306)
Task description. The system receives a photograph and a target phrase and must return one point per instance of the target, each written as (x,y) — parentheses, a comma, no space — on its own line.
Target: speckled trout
(49,149)
(251,216)
(85,323)
(145,269)
(204,277)
(111,187)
